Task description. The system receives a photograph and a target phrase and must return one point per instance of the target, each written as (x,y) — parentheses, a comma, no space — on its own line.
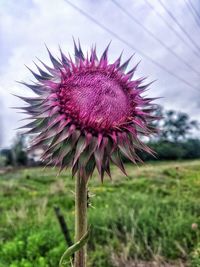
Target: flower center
(95,99)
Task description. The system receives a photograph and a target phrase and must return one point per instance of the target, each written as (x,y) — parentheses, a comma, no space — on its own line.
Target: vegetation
(17,154)
(175,140)
(175,126)
(168,150)
(152,214)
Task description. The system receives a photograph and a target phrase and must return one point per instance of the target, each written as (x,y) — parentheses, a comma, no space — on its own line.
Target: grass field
(152,215)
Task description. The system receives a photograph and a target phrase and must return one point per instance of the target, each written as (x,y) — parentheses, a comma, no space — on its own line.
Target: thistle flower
(89,113)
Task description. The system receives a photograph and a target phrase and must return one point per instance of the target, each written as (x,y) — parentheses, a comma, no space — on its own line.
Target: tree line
(176,139)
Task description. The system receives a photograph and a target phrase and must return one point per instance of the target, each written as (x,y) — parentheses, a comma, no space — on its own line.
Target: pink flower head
(89,112)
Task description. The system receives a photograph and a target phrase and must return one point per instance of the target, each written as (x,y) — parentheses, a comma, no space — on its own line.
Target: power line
(188,44)
(179,25)
(192,12)
(129,44)
(154,36)
(193,7)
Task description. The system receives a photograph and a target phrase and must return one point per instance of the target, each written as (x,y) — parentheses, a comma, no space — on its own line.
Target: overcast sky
(26,25)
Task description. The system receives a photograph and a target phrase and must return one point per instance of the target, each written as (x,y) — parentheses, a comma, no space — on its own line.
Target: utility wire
(192,12)
(193,7)
(154,36)
(81,11)
(179,25)
(188,44)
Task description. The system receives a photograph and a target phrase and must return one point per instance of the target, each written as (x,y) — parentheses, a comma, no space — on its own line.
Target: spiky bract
(88,113)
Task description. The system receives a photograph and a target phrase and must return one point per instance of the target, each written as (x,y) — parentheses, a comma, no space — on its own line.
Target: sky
(27,25)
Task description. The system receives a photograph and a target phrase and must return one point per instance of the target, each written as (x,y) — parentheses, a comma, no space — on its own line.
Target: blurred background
(165,36)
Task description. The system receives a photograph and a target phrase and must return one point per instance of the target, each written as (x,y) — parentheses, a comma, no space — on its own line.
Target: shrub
(195,257)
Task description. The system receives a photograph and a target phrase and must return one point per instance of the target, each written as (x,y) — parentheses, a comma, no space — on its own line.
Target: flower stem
(80,219)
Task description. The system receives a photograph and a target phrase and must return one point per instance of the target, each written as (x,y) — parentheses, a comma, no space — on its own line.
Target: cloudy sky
(26,25)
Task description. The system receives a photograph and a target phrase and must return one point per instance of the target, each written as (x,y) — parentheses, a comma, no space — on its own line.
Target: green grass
(147,215)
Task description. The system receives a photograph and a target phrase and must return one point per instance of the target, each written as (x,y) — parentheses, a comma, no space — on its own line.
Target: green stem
(80,219)
(67,256)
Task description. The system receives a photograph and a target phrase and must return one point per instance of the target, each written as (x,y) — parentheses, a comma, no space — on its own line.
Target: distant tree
(175,139)
(7,154)
(175,126)
(18,149)
(192,148)
(2,161)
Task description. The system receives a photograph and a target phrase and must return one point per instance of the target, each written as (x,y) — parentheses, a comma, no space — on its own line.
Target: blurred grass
(147,215)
